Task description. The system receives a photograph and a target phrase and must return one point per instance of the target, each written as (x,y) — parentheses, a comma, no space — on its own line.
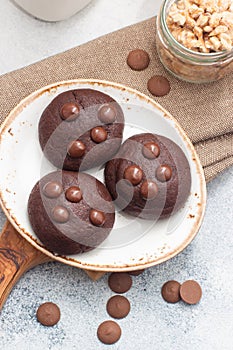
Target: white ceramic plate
(133,243)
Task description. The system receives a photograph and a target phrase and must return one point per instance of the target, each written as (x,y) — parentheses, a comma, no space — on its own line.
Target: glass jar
(185,64)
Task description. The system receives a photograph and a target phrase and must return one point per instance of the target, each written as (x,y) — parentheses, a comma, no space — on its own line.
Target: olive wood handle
(17,256)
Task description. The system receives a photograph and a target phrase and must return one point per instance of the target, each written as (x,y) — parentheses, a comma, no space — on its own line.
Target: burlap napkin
(204,111)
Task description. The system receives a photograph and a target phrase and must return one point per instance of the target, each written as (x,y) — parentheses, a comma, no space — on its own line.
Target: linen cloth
(205,111)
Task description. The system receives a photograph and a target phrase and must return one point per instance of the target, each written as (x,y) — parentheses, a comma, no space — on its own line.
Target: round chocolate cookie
(70,212)
(81,129)
(149,177)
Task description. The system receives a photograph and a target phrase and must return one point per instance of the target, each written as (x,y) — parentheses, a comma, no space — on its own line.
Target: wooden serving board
(18,256)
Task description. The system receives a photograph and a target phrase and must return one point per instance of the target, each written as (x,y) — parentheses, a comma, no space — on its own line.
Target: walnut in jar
(195,39)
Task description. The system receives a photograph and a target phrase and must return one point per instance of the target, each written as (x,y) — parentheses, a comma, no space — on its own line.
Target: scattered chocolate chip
(138,59)
(149,190)
(97,217)
(107,113)
(119,282)
(171,291)
(118,306)
(133,174)
(158,86)
(48,314)
(136,273)
(151,150)
(99,134)
(70,111)
(190,292)
(76,149)
(164,173)
(109,332)
(74,194)
(52,189)
(60,214)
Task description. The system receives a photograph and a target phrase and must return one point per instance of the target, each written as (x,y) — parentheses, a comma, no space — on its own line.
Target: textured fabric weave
(204,111)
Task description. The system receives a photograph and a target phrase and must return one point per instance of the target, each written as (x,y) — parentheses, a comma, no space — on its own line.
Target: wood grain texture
(18,256)
(95,275)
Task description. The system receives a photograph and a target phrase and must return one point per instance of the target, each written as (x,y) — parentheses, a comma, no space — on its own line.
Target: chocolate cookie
(149,177)
(81,129)
(70,212)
